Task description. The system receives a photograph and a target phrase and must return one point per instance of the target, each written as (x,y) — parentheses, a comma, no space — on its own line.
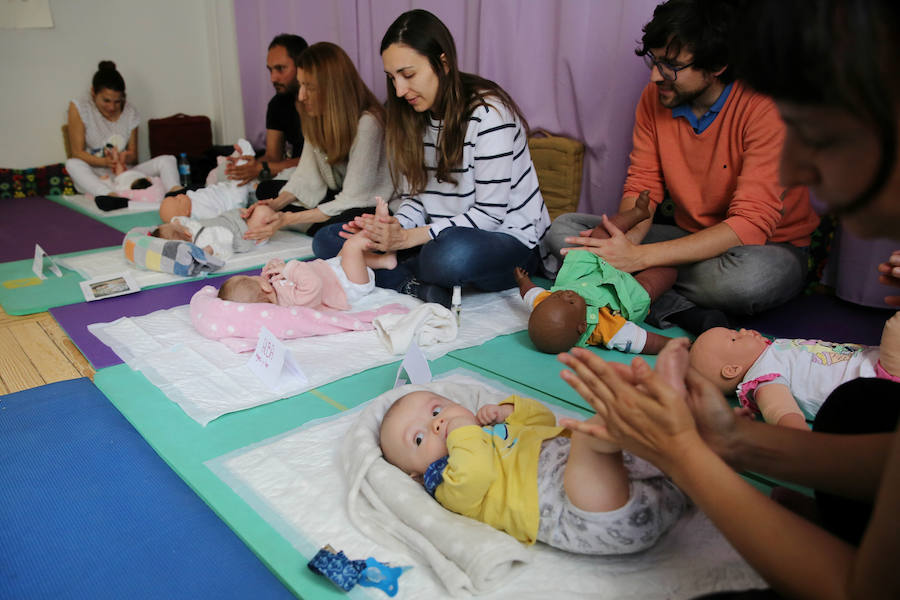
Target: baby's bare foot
(672,363)
(382,261)
(643,203)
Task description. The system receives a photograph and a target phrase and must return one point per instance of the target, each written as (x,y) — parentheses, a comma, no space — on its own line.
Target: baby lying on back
(220,236)
(334,283)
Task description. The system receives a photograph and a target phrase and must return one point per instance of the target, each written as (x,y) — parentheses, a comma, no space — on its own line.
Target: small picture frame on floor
(108,286)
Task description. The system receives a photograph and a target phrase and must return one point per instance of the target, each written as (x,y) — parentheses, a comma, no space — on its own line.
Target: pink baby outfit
(310,283)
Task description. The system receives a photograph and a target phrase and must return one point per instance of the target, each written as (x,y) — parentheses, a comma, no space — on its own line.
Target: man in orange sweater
(712,145)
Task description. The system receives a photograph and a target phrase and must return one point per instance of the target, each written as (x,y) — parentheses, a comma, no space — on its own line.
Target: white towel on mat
(427,325)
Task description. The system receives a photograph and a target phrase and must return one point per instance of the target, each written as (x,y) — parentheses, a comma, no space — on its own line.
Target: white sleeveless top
(98,131)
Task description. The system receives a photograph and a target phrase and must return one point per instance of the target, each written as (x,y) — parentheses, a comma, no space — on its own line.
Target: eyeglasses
(667,70)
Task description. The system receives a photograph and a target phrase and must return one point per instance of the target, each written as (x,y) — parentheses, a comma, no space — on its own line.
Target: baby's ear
(729,372)
(582,327)
(418,477)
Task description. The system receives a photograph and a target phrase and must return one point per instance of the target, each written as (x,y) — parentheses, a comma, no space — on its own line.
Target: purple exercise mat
(75,318)
(821,317)
(58,229)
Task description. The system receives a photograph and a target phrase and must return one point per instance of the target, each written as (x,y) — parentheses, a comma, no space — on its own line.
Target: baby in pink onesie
(334,283)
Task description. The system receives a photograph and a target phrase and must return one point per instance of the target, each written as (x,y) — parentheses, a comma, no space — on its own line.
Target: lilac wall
(569,64)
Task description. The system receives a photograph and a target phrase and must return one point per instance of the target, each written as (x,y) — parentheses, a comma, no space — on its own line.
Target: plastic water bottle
(184,170)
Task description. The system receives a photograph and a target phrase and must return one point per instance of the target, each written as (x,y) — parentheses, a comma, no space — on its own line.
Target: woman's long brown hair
(459,94)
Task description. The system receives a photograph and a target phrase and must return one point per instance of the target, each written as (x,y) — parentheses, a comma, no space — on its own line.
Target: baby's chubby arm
(493,414)
(778,406)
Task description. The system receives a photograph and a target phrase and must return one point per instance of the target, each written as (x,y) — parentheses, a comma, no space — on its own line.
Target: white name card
(416,367)
(38,265)
(274,364)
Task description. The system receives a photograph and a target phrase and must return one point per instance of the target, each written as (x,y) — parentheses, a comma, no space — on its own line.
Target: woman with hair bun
(103,132)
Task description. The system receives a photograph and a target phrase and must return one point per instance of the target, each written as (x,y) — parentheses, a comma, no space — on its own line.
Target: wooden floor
(34,351)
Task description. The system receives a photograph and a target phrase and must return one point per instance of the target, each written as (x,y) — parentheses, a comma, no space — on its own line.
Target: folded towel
(428,324)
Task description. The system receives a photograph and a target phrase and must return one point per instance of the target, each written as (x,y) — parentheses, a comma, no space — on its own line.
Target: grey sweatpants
(654,505)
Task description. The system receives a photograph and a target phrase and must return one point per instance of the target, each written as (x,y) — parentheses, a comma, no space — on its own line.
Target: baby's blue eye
(419,438)
(436,411)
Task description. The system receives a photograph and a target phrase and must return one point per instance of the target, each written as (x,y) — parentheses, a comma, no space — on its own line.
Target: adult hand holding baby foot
(643,412)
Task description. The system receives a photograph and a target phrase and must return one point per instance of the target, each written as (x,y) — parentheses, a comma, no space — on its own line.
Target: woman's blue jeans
(457,256)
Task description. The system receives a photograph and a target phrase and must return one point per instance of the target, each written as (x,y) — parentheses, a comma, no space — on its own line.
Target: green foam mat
(514,357)
(121,222)
(23,293)
(185,446)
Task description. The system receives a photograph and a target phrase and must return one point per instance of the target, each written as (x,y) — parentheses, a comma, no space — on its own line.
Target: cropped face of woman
(109,102)
(308,95)
(838,155)
(414,79)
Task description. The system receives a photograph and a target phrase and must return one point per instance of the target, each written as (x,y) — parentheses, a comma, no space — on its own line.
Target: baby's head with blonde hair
(247,289)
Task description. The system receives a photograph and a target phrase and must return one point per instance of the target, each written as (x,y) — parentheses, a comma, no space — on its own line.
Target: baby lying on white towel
(393,509)
(509,465)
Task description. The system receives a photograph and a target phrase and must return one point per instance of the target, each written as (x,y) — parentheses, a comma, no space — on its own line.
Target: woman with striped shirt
(470,209)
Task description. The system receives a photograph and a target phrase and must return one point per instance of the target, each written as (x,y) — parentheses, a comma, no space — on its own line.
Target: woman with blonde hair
(343,166)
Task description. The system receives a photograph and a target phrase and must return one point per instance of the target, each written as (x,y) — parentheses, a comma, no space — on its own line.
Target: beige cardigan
(363,176)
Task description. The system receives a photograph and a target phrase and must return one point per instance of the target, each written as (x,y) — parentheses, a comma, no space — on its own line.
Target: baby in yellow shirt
(512,467)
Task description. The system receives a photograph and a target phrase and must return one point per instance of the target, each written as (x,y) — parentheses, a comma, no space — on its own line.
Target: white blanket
(284,244)
(290,478)
(208,380)
(89,206)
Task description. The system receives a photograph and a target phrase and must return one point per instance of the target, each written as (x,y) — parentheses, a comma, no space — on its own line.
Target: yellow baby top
(491,472)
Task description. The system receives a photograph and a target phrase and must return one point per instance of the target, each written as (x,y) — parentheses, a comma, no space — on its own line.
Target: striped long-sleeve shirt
(496,189)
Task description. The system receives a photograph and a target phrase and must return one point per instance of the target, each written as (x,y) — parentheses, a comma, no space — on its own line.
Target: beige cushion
(558,161)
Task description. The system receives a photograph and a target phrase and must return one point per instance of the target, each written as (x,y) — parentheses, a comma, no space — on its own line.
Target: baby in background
(219,236)
(129,184)
(591,302)
(778,377)
(334,283)
(220,195)
(512,467)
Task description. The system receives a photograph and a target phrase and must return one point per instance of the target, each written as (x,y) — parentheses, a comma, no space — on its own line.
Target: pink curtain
(569,64)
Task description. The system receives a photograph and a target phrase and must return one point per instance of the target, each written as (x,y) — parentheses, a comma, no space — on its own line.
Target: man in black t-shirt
(284,138)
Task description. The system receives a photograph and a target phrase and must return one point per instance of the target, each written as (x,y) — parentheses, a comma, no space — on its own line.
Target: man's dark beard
(290,90)
(682,98)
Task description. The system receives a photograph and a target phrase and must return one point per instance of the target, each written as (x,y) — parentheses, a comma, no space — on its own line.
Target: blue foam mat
(88,510)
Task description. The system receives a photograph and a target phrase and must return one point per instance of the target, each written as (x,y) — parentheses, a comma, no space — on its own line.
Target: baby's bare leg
(890,346)
(596,479)
(353,258)
(627,219)
(657,280)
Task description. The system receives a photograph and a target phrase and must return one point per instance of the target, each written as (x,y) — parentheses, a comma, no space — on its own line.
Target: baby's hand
(521,276)
(492,414)
(742,412)
(274,269)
